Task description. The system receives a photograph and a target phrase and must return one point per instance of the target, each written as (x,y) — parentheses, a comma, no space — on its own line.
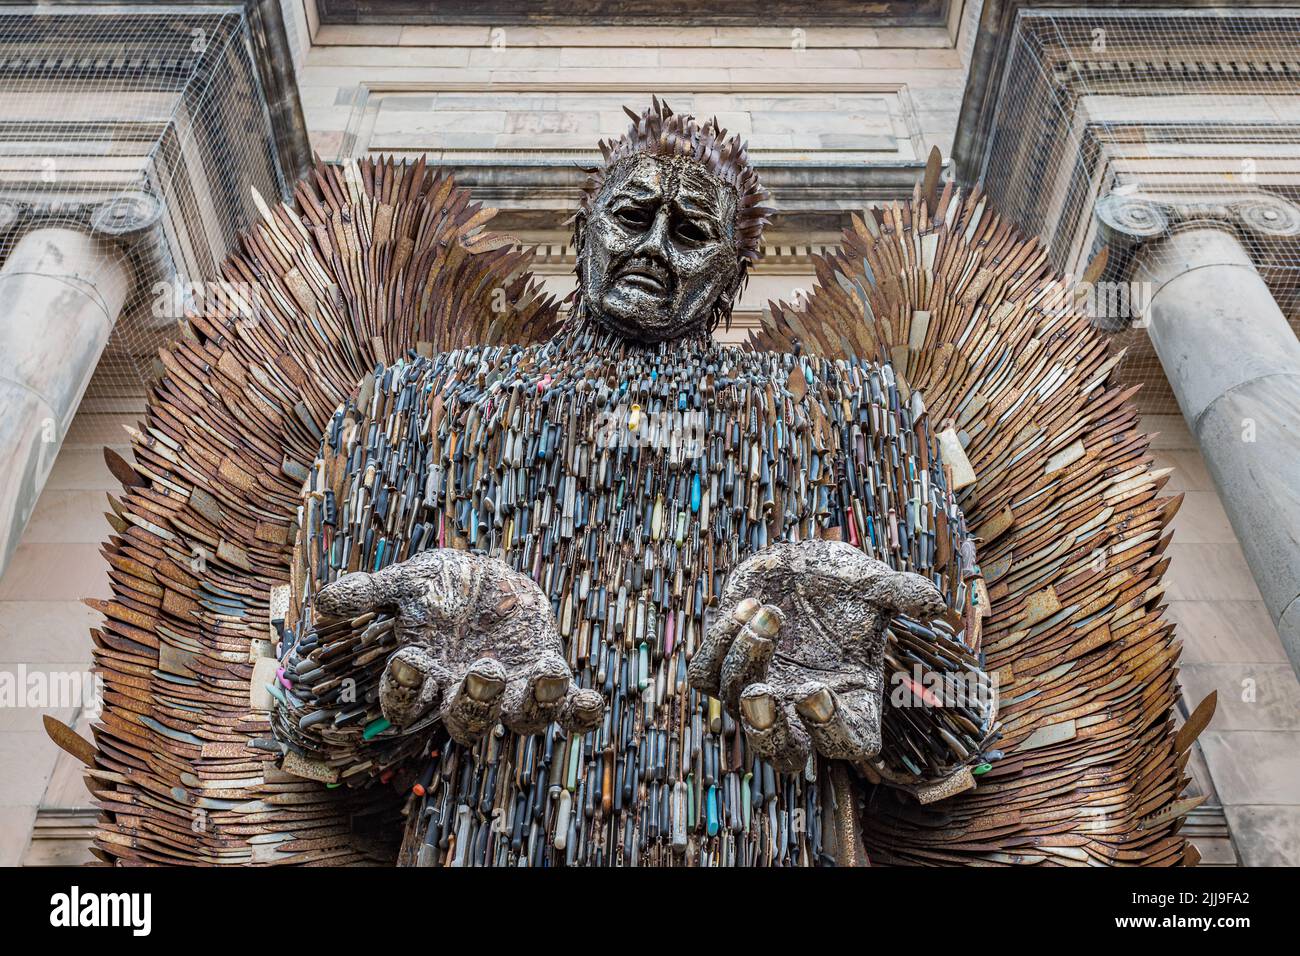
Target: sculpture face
(659,250)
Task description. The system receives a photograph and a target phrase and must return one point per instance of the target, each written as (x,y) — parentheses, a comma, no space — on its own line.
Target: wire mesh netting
(1191,110)
(134,137)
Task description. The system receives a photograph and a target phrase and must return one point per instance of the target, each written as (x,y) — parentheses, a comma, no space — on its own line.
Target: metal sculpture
(778,525)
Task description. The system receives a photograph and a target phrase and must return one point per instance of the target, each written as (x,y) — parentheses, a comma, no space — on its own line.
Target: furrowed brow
(697,208)
(635,190)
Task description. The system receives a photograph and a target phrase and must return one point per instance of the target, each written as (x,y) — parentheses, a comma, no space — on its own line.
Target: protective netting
(1195,111)
(147,129)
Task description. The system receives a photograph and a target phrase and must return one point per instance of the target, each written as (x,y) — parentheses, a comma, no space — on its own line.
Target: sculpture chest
(627,490)
(627,485)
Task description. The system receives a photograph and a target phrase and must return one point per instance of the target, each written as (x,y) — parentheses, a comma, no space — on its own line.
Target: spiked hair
(660,132)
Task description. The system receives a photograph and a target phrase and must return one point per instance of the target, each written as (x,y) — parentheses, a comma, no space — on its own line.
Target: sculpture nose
(653,244)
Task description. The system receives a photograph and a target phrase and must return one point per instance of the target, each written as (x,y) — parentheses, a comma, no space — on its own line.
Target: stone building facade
(1162,134)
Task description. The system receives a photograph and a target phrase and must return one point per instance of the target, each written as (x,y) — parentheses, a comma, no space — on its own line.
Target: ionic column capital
(127,217)
(1129,219)
(12,214)
(124,218)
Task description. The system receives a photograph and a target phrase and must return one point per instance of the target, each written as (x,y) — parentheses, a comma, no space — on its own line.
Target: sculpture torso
(627,467)
(627,482)
(629,764)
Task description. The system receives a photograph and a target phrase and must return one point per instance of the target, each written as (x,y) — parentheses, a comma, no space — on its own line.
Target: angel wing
(1057,485)
(378,258)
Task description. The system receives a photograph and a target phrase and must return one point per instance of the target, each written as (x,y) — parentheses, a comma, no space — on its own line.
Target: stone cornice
(993,52)
(266,33)
(535,188)
(807,197)
(1183,73)
(583,13)
(557,257)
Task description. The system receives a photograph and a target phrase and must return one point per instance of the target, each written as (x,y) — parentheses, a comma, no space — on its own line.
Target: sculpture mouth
(647,279)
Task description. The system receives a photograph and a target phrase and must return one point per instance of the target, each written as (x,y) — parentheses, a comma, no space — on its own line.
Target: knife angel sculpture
(494,585)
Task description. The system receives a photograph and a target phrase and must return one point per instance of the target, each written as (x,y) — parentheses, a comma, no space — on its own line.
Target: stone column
(1233,363)
(62,289)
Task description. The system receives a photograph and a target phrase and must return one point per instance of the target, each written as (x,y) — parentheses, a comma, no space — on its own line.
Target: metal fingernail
(405,673)
(760,711)
(746,609)
(767,621)
(818,706)
(547,690)
(481,688)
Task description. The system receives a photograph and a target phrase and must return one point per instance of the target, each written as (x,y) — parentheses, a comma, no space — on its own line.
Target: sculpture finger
(705,670)
(583,710)
(841,727)
(773,730)
(359,592)
(350,595)
(751,654)
(475,706)
(410,686)
(915,595)
(536,697)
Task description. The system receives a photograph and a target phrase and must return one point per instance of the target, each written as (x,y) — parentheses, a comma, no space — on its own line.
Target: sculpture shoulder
(478,370)
(820,378)
(471,370)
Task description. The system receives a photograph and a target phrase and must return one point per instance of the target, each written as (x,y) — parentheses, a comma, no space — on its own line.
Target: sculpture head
(667,228)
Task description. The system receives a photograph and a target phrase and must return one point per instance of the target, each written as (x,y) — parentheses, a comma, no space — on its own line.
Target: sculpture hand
(477,643)
(796,652)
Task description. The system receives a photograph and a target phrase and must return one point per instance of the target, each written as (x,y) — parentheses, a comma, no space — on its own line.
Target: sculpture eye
(690,233)
(633,216)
